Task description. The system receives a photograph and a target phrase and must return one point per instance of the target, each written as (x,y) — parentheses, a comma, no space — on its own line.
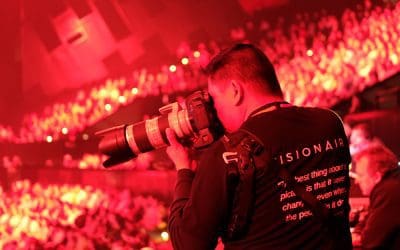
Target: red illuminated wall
(62,50)
(10,62)
(70,44)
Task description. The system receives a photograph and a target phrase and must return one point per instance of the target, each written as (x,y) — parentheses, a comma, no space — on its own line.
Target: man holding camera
(277,180)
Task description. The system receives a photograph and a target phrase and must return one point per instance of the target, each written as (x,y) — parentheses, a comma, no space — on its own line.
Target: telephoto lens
(114,144)
(196,125)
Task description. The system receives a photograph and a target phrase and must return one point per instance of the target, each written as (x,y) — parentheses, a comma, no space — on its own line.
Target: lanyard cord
(269,107)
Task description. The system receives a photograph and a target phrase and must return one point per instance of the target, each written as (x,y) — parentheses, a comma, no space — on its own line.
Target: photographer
(304,152)
(378,176)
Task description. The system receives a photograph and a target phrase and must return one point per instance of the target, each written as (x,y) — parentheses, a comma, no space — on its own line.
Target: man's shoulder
(294,117)
(320,110)
(213,151)
(301,110)
(387,189)
(324,115)
(391,182)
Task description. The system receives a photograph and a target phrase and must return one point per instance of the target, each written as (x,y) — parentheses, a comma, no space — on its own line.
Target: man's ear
(377,177)
(237,92)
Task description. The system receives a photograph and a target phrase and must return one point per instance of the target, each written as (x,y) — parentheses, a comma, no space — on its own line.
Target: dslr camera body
(196,125)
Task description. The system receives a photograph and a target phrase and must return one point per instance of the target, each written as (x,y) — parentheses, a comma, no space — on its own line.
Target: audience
(33,216)
(320,58)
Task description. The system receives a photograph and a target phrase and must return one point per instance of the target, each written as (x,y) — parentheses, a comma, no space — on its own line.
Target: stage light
(196,54)
(49,138)
(310,52)
(165,236)
(64,131)
(107,107)
(185,61)
(134,91)
(172,68)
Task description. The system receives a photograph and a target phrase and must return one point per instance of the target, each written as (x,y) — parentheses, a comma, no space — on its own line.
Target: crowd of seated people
(33,216)
(323,58)
(320,59)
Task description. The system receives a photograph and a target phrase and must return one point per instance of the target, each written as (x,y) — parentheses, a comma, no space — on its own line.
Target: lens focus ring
(154,134)
(131,139)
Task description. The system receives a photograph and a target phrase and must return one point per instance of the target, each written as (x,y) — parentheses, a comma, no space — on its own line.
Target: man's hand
(180,155)
(356,239)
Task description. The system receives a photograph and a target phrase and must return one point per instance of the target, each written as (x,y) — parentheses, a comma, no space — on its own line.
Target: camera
(196,125)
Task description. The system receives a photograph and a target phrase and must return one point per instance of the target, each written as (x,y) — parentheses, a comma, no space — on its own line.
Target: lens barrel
(195,126)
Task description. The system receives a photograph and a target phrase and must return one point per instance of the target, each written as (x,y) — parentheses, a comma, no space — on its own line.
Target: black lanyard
(268,107)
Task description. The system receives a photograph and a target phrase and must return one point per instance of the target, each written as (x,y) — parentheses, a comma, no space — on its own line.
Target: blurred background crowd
(339,59)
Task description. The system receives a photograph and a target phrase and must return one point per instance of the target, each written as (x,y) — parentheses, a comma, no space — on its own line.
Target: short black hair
(247,63)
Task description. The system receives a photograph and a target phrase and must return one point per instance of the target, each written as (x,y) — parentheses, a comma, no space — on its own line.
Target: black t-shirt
(311,144)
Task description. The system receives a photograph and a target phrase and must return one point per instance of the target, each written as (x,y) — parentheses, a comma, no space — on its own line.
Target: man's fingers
(177,152)
(171,137)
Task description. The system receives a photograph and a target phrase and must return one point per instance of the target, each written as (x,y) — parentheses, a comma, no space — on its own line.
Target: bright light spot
(329,84)
(310,52)
(185,61)
(114,93)
(49,138)
(85,137)
(103,93)
(164,236)
(122,99)
(172,68)
(64,131)
(14,220)
(107,107)
(34,226)
(196,54)
(134,91)
(394,58)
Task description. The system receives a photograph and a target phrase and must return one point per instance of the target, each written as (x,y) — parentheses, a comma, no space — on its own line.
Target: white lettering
(310,150)
(328,146)
(287,195)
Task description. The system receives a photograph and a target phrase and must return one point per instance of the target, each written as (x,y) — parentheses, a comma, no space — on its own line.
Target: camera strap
(241,160)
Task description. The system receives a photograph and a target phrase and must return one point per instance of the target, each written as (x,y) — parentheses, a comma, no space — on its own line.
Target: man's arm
(199,206)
